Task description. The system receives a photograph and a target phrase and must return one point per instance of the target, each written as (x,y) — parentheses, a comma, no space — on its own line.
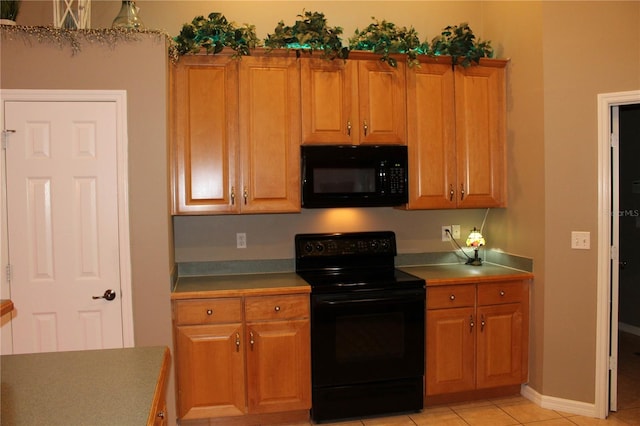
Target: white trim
(122,141)
(559,404)
(603,311)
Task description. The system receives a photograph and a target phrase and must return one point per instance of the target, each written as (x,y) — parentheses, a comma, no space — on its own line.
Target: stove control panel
(346,244)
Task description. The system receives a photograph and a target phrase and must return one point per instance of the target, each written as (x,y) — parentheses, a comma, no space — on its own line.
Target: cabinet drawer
(502,292)
(258,308)
(451,296)
(208,311)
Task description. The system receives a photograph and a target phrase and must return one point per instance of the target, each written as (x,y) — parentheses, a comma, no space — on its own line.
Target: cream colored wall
(141,69)
(562,55)
(587,50)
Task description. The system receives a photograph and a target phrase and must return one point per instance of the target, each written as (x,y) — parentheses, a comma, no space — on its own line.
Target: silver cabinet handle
(461,192)
(245,194)
(209,311)
(237,342)
(251,339)
(502,293)
(452,297)
(365,127)
(233,195)
(471,323)
(451,192)
(482,323)
(349,128)
(277,308)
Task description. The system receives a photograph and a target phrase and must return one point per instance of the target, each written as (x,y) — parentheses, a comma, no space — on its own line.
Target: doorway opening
(608,248)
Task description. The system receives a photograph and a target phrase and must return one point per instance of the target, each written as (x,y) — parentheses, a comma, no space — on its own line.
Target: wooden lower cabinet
(242,356)
(477,340)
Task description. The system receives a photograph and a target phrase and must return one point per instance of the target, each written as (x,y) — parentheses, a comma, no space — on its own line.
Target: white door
(63,235)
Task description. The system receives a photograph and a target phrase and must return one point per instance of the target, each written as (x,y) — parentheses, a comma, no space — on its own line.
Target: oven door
(360,337)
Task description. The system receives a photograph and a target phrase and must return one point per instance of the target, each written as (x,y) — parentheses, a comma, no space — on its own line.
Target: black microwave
(354,175)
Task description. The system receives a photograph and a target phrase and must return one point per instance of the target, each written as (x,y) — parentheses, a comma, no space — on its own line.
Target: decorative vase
(128,17)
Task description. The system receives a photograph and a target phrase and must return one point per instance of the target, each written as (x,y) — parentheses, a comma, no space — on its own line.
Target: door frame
(119,97)
(607,280)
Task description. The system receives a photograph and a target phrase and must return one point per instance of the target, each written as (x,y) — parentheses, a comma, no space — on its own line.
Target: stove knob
(308,247)
(319,247)
(374,245)
(385,244)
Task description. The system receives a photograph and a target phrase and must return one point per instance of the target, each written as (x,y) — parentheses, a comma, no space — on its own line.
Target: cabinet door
(279,366)
(480,96)
(269,134)
(204,131)
(382,103)
(210,365)
(450,350)
(500,345)
(431,130)
(329,93)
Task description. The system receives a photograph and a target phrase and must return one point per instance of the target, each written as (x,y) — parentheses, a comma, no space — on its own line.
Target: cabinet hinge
(613,363)
(613,253)
(8,272)
(5,137)
(613,140)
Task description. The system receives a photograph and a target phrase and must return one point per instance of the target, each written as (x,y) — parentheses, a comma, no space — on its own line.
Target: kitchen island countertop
(93,387)
(462,274)
(6,306)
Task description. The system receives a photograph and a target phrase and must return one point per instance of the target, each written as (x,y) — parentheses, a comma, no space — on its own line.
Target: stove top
(354,261)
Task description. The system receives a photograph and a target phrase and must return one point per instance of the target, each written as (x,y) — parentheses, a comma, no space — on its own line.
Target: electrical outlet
(455,230)
(446,236)
(241,240)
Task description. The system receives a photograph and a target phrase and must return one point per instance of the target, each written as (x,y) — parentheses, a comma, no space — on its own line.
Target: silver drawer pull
(501,292)
(452,297)
(277,308)
(209,311)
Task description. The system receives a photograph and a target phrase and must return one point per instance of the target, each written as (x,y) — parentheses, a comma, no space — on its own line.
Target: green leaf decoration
(385,38)
(307,34)
(214,33)
(460,42)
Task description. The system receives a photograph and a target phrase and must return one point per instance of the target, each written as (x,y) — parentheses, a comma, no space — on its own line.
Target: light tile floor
(517,410)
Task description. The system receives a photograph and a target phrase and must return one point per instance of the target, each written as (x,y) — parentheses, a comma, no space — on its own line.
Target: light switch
(580,240)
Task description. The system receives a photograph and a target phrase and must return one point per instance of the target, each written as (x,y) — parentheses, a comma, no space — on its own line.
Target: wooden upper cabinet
(269,134)
(457,135)
(353,102)
(480,94)
(236,135)
(204,129)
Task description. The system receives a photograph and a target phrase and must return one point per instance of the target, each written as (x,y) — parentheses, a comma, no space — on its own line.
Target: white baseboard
(628,328)
(559,404)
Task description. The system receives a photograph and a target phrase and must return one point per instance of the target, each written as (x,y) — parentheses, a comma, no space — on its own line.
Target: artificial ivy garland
(73,38)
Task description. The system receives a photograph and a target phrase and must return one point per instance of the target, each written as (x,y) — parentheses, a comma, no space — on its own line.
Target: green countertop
(289,282)
(96,387)
(461,273)
(239,285)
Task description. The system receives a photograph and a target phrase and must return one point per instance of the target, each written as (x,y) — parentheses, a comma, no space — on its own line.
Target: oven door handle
(385,299)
